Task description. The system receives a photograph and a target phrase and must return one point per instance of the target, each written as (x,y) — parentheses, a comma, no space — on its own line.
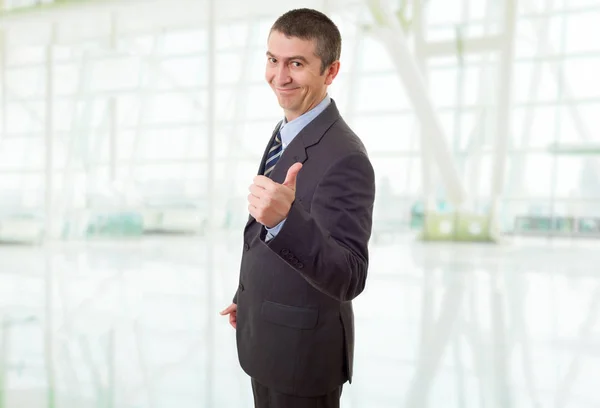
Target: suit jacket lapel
(312,133)
(296,151)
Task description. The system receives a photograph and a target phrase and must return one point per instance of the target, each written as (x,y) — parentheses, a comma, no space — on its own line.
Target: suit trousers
(267,398)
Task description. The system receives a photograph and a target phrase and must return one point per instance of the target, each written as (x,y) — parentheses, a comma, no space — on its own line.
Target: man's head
(303,55)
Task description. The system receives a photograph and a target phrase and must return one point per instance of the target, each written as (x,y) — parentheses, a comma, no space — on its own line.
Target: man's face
(294,73)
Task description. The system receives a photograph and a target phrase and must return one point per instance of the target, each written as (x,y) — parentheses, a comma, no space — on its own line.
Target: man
(305,251)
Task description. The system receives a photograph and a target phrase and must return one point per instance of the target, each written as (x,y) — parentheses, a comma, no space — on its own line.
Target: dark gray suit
(295,324)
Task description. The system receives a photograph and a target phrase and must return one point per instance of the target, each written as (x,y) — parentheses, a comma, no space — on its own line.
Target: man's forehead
(280,40)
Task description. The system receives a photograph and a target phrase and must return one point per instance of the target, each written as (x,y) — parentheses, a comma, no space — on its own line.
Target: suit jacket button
(285,251)
(299,265)
(246,246)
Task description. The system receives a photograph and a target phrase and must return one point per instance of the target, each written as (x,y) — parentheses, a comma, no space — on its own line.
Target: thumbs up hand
(270,202)
(292,175)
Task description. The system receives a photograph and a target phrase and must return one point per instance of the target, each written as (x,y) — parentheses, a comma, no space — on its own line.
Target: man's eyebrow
(295,57)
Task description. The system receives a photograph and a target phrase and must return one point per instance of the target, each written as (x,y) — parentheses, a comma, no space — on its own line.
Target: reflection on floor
(136,324)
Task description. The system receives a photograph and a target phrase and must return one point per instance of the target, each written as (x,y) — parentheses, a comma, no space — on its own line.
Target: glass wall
(106,132)
(121,98)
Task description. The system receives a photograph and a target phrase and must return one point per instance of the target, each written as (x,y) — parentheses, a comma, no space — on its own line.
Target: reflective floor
(135,324)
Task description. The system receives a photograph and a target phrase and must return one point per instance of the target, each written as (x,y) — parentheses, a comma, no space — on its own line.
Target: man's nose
(282,75)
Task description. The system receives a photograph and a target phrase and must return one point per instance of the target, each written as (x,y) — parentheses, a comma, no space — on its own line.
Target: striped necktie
(274,155)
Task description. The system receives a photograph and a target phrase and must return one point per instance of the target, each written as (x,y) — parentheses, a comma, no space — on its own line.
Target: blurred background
(131,129)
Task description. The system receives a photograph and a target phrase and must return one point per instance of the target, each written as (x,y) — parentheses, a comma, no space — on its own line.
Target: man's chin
(285,104)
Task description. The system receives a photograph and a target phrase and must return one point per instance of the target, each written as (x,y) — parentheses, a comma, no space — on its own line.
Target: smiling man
(305,253)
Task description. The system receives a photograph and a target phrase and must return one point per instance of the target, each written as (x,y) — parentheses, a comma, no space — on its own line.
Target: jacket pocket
(290,316)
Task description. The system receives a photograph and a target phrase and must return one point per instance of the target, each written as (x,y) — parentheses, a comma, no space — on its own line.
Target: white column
(49,136)
(211,196)
(426,153)
(504,107)
(112,109)
(4,84)
(112,139)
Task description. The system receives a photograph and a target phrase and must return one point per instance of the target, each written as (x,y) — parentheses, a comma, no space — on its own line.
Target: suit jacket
(295,324)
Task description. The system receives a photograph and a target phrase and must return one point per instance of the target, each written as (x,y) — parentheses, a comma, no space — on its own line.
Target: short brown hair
(309,24)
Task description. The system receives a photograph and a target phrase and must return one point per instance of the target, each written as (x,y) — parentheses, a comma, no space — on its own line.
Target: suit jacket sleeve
(328,245)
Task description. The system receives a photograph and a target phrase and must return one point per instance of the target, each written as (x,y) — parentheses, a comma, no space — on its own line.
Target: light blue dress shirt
(288,131)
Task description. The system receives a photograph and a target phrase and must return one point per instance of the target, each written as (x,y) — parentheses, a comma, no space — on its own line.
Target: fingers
(256,195)
(264,182)
(256,190)
(229,309)
(253,210)
(253,200)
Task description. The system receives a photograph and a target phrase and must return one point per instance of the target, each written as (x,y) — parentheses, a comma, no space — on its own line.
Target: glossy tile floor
(135,324)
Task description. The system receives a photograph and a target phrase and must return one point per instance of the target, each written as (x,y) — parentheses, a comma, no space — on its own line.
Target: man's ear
(331,72)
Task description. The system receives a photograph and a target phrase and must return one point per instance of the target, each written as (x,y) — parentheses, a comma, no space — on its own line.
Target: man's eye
(272,60)
(296,64)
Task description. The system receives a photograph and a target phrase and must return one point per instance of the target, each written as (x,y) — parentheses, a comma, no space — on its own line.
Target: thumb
(292,174)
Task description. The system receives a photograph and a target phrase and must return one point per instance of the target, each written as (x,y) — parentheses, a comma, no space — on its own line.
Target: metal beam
(468,46)
(575,149)
(516,181)
(567,98)
(391,34)
(39,6)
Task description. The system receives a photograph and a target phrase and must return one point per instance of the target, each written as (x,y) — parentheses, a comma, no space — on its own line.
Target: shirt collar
(289,130)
